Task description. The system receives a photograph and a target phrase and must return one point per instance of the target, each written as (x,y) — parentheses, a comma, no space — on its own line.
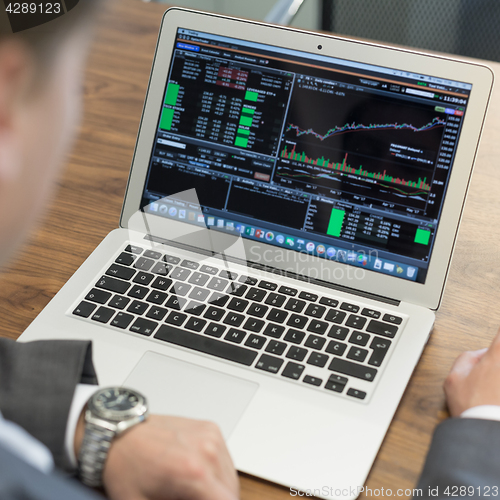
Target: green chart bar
(166,119)
(336,221)
(242,136)
(246,118)
(422,236)
(172,94)
(251,96)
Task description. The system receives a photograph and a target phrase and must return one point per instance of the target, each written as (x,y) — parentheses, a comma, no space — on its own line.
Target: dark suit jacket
(37,382)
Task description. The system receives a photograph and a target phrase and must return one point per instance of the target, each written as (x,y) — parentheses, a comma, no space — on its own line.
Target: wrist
(79,432)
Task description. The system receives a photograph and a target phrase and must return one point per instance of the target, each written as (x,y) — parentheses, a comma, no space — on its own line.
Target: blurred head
(40,86)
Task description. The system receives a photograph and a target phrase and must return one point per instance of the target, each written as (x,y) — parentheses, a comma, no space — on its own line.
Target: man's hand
(166,458)
(474,379)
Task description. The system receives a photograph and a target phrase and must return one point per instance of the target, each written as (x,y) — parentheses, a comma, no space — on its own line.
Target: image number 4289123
(26,15)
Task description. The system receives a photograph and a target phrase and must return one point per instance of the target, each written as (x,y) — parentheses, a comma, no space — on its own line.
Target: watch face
(117,401)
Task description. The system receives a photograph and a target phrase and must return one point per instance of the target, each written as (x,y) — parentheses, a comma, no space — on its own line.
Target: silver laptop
(286,235)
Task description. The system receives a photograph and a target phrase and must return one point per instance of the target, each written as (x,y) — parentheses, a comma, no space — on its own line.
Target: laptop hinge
(274,270)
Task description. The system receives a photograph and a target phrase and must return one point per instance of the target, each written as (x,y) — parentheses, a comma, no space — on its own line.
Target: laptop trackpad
(175,387)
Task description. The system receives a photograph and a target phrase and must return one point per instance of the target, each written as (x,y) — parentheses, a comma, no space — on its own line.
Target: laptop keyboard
(316,340)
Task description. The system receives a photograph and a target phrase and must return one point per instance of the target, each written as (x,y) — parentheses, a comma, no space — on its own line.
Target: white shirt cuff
(486,412)
(83,392)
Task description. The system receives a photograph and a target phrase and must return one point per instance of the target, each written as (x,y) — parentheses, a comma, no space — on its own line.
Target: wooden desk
(88,205)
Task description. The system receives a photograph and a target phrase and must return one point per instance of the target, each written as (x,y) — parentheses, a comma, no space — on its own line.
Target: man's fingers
(466,361)
(211,489)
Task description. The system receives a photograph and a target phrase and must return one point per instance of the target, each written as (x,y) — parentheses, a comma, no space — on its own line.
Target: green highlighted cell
(166,119)
(241,142)
(336,221)
(422,236)
(172,94)
(251,96)
(246,121)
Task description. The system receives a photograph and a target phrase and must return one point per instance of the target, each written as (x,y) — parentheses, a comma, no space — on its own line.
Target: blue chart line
(353,127)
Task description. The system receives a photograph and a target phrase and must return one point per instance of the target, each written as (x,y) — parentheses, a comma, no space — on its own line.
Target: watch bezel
(137,411)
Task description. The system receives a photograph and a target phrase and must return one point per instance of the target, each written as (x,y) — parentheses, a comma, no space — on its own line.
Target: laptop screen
(338,159)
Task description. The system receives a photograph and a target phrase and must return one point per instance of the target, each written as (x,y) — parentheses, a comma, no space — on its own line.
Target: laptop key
(134,249)
(297,321)
(336,383)
(119,302)
(335,316)
(396,320)
(297,353)
(171,259)
(125,259)
(103,314)
(237,304)
(349,307)
(295,305)
(122,320)
(235,336)
(161,283)
(144,264)
(327,301)
(275,331)
(355,321)
(317,359)
(311,297)
(125,273)
(84,309)
(356,394)
(237,289)
(206,345)
(269,363)
(143,326)
(276,347)
(315,311)
(139,292)
(180,289)
(257,310)
(175,302)
(228,274)
(359,338)
(335,347)
(275,299)
(248,280)
(370,313)
(308,379)
(218,299)
(190,264)
(113,284)
(357,354)
(195,324)
(199,294)
(380,328)
(137,307)
(143,278)
(199,279)
(157,313)
(255,341)
(338,332)
(180,274)
(315,342)
(234,319)
(295,336)
(217,284)
(255,294)
(209,270)
(288,291)
(268,285)
(195,308)
(277,315)
(253,325)
(175,318)
(161,268)
(318,327)
(352,369)
(99,296)
(214,313)
(151,254)
(215,330)
(156,297)
(380,347)
(293,370)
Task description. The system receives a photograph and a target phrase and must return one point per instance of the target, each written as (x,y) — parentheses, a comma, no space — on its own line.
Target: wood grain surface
(88,202)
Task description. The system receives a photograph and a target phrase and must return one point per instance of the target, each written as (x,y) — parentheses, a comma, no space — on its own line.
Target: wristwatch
(110,412)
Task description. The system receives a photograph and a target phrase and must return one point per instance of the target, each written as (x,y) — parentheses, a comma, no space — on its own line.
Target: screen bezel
(481,77)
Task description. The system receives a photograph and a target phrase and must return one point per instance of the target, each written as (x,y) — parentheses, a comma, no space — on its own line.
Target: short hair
(44,39)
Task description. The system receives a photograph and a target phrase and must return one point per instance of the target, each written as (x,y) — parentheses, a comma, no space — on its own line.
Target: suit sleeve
(37,382)
(464,452)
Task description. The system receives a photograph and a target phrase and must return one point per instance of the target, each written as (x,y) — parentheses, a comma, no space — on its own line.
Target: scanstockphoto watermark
(299,263)
(354,491)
